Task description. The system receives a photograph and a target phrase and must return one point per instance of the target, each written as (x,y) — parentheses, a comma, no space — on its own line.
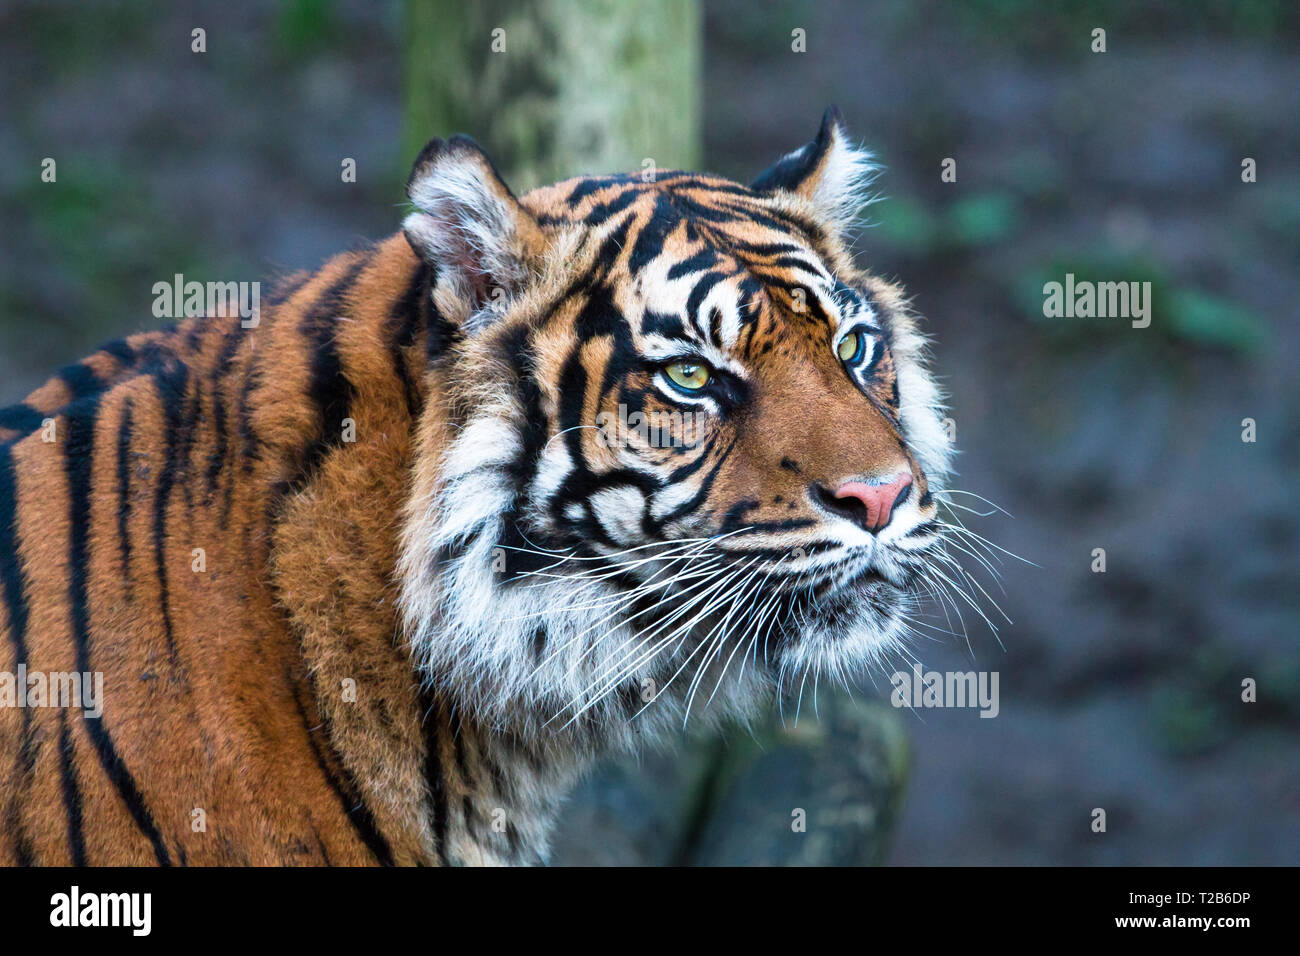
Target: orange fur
(217,529)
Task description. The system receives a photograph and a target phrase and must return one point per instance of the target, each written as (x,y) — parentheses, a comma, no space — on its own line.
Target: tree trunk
(557,88)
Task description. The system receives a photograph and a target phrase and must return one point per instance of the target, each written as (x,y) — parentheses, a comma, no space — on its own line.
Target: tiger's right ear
(471,229)
(830,172)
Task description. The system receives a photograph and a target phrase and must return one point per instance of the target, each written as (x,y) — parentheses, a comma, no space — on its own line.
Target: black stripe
(462,759)
(121,350)
(354,808)
(13,588)
(188,442)
(12,576)
(767,527)
(217,460)
(467,814)
(715,327)
(71,794)
(124,496)
(702,493)
(433,772)
(439,333)
(404,320)
(662,323)
(80,379)
(751,299)
(590,185)
(170,381)
(79,465)
(320,845)
(763,248)
(517,351)
(776,554)
(611,247)
(682,472)
(605,211)
(696,299)
(573,399)
(328,388)
(805,263)
(249,441)
(650,240)
(706,258)
(21,418)
(777,221)
(731,520)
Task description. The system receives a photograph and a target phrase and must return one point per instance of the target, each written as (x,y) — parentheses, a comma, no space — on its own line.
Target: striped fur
(403,648)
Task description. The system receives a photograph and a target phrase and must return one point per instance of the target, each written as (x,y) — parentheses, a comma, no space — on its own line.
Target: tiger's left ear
(830,172)
(469,226)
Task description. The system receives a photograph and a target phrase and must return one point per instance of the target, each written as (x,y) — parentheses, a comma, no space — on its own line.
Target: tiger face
(687,450)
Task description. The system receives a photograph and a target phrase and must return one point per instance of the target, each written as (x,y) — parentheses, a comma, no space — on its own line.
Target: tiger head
(680,448)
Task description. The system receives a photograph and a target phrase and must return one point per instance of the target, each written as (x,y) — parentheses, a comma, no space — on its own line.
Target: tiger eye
(850,346)
(688,375)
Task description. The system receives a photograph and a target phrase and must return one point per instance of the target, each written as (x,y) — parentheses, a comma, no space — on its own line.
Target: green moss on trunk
(560,87)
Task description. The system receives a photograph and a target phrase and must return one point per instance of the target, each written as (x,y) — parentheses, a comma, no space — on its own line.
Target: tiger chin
(537,479)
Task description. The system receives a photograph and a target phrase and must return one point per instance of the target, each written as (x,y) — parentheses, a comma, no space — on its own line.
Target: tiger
(537,480)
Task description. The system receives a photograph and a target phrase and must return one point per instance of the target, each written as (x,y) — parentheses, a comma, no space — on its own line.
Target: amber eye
(850,347)
(690,376)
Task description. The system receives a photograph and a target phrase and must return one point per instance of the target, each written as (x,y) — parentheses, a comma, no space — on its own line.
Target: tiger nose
(869,506)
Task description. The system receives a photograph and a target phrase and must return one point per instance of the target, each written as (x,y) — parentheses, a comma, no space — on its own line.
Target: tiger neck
(440,784)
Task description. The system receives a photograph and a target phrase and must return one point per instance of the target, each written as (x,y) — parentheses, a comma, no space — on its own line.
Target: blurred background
(1119,690)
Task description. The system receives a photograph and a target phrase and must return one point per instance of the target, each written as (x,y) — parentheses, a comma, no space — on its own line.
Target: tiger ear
(471,229)
(830,172)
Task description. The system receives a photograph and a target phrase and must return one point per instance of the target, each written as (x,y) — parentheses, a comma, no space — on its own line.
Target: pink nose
(879,500)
